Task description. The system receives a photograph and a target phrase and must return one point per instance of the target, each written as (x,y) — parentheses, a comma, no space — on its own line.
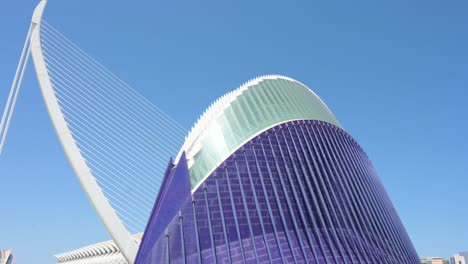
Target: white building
(460,258)
(101,253)
(434,260)
(104,252)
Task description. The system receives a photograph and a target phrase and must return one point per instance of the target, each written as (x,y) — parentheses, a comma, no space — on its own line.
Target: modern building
(434,260)
(100,253)
(106,252)
(268,175)
(460,258)
(6,257)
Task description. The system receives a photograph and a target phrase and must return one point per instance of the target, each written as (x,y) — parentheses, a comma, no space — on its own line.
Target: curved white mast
(113,224)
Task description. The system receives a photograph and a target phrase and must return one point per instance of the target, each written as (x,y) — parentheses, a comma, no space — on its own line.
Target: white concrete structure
(101,253)
(6,257)
(460,258)
(120,235)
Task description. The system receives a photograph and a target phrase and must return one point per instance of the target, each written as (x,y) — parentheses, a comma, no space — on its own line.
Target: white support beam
(106,213)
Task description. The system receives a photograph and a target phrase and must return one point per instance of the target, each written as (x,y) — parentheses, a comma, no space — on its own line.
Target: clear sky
(394,73)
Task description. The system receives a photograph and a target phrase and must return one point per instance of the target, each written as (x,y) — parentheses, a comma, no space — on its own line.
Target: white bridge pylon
(111,221)
(117,143)
(16,86)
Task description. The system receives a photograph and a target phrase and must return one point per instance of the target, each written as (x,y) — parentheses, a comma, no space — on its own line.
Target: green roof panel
(244,113)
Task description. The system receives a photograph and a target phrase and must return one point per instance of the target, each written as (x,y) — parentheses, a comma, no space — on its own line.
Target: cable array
(125,140)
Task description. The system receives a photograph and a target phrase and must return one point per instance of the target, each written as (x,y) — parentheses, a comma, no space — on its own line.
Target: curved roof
(104,252)
(242,114)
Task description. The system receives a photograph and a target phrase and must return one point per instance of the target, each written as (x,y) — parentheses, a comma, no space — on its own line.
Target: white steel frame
(108,216)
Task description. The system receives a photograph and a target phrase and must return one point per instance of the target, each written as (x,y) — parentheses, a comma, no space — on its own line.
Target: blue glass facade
(300,192)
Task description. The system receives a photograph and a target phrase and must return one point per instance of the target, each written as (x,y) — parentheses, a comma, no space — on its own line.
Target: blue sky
(394,73)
